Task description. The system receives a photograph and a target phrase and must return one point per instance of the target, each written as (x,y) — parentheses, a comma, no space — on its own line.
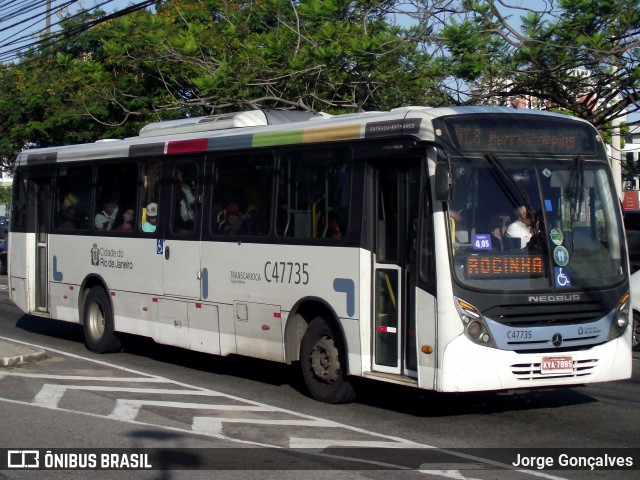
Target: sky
(21,21)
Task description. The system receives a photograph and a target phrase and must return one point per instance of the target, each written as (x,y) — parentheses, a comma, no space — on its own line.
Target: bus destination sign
(504,266)
(510,136)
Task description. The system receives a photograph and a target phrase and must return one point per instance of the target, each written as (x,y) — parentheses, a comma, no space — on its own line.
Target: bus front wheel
(323,365)
(97,323)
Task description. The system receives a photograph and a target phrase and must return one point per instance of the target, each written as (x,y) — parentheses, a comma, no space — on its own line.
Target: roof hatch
(225,121)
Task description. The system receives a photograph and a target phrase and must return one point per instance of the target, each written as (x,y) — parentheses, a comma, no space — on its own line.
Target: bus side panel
(261,284)
(426,324)
(19,261)
(227,330)
(125,264)
(358,331)
(64,301)
(173,323)
(266,319)
(204,328)
(135,313)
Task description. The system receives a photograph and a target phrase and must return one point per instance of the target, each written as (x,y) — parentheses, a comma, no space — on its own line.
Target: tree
(332,55)
(577,56)
(194,58)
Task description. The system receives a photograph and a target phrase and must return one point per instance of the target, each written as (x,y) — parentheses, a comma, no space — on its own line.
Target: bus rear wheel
(97,323)
(323,368)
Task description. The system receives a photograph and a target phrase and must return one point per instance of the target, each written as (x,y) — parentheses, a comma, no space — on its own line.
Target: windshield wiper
(576,189)
(516,192)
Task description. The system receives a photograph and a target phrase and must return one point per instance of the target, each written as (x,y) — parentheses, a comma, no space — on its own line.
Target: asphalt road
(243,418)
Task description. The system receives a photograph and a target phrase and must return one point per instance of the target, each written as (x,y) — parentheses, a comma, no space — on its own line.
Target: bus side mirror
(444,182)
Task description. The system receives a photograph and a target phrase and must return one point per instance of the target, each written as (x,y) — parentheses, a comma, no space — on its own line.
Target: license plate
(556,365)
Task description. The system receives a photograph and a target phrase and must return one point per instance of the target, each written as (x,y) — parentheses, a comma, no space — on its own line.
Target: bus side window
(115,194)
(149,193)
(19,211)
(73,198)
(184,198)
(242,195)
(313,195)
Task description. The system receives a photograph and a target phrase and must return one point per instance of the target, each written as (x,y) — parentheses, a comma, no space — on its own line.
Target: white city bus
(363,245)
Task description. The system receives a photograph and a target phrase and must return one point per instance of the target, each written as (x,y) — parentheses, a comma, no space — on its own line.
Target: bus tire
(323,368)
(97,323)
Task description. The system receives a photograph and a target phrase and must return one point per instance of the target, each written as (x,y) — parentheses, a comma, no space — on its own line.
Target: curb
(14,354)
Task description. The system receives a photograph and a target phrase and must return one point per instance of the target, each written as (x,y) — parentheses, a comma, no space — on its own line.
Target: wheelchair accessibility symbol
(563,279)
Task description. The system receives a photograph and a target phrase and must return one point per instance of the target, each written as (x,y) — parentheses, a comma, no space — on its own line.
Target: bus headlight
(475,327)
(621,318)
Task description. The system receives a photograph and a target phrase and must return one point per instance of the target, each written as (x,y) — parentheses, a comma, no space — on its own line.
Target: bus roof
(263,128)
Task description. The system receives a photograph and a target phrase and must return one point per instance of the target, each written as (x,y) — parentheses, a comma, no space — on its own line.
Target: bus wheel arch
(300,316)
(322,353)
(96,312)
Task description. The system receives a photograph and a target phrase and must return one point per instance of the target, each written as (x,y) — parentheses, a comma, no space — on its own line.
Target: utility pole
(616,155)
(48,18)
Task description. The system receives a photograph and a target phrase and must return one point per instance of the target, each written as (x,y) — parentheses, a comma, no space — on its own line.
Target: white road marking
(214,425)
(50,395)
(126,410)
(322,443)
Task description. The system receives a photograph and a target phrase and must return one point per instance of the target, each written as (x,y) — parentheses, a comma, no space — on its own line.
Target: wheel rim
(325,364)
(96,321)
(636,331)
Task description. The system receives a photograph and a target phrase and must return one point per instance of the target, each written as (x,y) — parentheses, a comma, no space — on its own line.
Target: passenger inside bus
(105,218)
(334,229)
(126,224)
(522,227)
(69,222)
(233,220)
(150,220)
(497,229)
(185,214)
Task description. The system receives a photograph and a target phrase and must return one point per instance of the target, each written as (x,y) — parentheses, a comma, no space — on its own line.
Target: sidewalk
(14,353)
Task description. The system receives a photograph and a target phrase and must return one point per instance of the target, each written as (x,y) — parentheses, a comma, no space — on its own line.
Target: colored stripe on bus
(339,132)
(36,158)
(277,138)
(147,149)
(230,142)
(187,146)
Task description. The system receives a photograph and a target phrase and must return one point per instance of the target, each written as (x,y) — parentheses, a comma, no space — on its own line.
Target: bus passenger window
(116,189)
(313,195)
(242,196)
(149,193)
(184,199)
(73,196)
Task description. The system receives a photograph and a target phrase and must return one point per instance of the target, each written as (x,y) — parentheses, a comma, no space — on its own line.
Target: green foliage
(579,56)
(190,58)
(195,58)
(5,196)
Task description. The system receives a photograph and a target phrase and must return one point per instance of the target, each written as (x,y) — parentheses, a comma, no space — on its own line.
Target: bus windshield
(543,224)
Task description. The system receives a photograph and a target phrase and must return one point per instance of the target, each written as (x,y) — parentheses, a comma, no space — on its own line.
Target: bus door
(397,191)
(40,220)
(181,266)
(185,321)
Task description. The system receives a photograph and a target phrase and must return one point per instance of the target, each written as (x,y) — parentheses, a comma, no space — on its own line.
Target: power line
(24,15)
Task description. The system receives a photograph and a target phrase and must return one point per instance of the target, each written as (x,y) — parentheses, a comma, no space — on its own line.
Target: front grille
(530,315)
(531,371)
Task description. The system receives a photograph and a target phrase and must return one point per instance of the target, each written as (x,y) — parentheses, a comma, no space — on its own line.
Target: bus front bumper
(467,367)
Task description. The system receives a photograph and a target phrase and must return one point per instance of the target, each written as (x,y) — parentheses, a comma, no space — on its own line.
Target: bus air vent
(224,121)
